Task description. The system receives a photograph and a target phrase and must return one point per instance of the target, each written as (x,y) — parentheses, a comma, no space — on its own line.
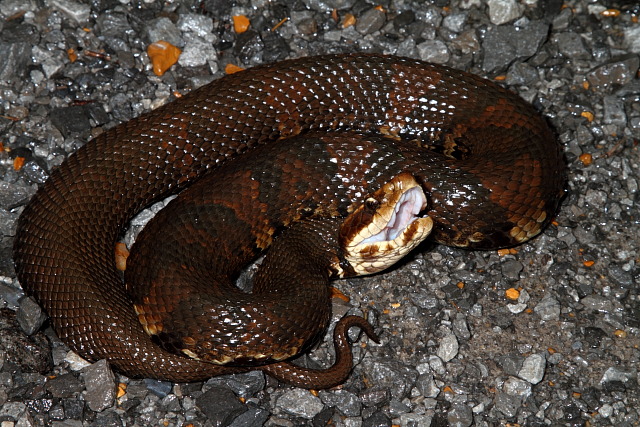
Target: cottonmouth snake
(490,167)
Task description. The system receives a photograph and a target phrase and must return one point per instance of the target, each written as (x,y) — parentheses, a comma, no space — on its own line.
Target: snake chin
(386,226)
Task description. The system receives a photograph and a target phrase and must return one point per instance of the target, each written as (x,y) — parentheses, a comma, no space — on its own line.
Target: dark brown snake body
(492,171)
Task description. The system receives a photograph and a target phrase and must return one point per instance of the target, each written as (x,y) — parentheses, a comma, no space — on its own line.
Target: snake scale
(490,168)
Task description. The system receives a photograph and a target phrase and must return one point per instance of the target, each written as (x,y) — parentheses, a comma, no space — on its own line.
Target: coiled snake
(490,169)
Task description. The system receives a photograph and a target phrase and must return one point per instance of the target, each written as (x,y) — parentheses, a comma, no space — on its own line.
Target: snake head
(385,227)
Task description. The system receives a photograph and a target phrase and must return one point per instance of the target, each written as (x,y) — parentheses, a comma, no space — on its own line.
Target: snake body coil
(490,167)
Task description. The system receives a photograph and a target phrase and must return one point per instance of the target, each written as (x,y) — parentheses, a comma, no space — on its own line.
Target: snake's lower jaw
(387,226)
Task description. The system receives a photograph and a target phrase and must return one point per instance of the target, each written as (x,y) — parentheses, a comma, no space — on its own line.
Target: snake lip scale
(491,170)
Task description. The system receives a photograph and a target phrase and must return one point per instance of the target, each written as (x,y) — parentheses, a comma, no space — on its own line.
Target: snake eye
(371,204)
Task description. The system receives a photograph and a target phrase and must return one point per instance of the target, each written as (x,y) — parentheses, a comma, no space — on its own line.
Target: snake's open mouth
(386,226)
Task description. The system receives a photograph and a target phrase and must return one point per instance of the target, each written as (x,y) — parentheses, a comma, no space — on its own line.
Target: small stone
(328,5)
(521,74)
(29,353)
(507,404)
(30,316)
(163,29)
(614,111)
(619,276)
(614,374)
(448,348)
(455,22)
(300,403)
(427,386)
(200,25)
(618,71)
(503,11)
(377,419)
(76,363)
(433,51)
(517,387)
(507,44)
(254,416)
(12,410)
(244,385)
(77,11)
(572,46)
(533,368)
(13,7)
(511,269)
(460,327)
(346,402)
(392,374)
(597,303)
(64,386)
(71,120)
(460,415)
(416,420)
(632,38)
(606,410)
(510,363)
(171,403)
(548,308)
(101,386)
(15,59)
(374,396)
(220,405)
(370,21)
(197,53)
(157,387)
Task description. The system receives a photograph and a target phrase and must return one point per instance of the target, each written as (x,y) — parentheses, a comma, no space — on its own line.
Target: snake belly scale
(491,170)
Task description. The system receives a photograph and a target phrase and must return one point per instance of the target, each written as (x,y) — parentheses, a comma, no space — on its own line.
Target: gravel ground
(457,348)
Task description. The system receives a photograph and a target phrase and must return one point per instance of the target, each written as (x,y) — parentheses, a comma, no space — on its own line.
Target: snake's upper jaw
(386,226)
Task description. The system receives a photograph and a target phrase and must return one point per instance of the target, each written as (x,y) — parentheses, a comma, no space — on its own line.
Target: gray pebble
(433,51)
(507,404)
(455,22)
(252,417)
(220,405)
(511,269)
(614,111)
(517,387)
(300,403)
(163,29)
(15,58)
(503,11)
(197,53)
(30,315)
(159,388)
(370,21)
(632,38)
(77,11)
(64,386)
(506,44)
(100,384)
(619,276)
(416,420)
(448,348)
(627,377)
(427,386)
(460,327)
(571,45)
(510,363)
(618,71)
(548,308)
(391,374)
(344,401)
(460,415)
(533,368)
(597,303)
